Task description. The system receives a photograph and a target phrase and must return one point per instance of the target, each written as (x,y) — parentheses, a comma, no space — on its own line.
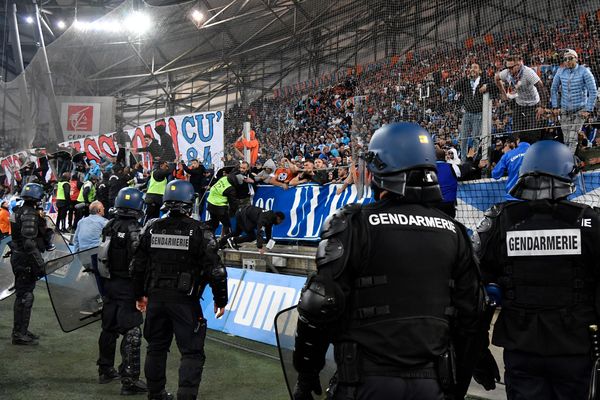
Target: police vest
(92,194)
(175,248)
(119,252)
(74,192)
(60,191)
(215,196)
(156,187)
(447,181)
(402,288)
(547,280)
(25,218)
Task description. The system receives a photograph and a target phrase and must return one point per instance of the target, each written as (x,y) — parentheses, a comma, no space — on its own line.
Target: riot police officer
(543,252)
(26,259)
(119,314)
(396,284)
(176,258)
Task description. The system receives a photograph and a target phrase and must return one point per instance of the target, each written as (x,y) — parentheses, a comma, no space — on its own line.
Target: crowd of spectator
(425,86)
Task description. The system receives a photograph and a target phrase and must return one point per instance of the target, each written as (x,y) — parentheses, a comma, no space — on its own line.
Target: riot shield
(285,329)
(73,286)
(7,278)
(61,247)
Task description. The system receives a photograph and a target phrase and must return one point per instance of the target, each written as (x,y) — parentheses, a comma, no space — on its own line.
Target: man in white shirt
(520,83)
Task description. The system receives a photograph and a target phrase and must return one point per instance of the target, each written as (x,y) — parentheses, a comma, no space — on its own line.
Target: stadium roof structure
(234,51)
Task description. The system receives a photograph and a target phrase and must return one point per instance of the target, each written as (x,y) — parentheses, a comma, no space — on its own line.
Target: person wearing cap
(156,188)
(576,87)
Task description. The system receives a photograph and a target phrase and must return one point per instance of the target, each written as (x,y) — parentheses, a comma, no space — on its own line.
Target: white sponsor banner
(544,242)
(80,119)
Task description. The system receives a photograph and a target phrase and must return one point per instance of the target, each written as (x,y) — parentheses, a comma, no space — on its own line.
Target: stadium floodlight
(61,24)
(197,16)
(29,19)
(138,22)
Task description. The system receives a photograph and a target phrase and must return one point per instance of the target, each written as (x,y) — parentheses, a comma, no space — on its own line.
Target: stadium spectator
(511,162)
(4,220)
(250,222)
(89,229)
(167,152)
(578,94)
(285,172)
(520,83)
(448,182)
(251,145)
(471,89)
(309,174)
(196,173)
(152,147)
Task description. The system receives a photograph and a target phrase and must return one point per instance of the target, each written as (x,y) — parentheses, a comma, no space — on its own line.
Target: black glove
(305,385)
(486,371)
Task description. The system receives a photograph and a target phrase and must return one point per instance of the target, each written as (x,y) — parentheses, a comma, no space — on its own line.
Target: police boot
(32,335)
(164,395)
(107,376)
(23,340)
(186,397)
(130,387)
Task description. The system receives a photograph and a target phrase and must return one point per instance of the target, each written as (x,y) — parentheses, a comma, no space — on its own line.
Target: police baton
(595,352)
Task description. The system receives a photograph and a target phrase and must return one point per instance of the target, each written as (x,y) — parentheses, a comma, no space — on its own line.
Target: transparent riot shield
(73,286)
(285,328)
(61,246)
(7,278)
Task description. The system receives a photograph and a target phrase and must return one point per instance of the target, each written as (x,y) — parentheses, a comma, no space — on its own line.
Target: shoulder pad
(338,221)
(149,225)
(209,238)
(494,211)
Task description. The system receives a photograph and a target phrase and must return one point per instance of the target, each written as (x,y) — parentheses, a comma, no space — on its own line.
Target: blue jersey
(510,162)
(447,181)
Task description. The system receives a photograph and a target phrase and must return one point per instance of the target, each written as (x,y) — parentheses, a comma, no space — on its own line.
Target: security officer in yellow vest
(397,289)
(176,258)
(543,252)
(87,195)
(156,188)
(63,200)
(222,202)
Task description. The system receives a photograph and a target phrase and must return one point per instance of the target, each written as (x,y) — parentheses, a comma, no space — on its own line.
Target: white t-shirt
(522,87)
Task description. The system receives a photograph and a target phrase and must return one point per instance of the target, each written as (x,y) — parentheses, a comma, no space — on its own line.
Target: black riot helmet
(401,159)
(179,196)
(129,202)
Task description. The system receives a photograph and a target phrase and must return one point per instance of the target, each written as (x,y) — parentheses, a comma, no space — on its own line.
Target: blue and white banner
(307,206)
(254,300)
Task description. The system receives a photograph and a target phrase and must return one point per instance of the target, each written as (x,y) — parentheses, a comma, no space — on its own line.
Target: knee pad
(27,299)
(133,337)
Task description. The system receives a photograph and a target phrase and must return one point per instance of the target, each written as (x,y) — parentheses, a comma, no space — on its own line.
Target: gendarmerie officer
(119,314)
(176,258)
(543,253)
(26,259)
(397,283)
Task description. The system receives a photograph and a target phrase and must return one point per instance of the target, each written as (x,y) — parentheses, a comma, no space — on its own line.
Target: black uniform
(116,182)
(176,258)
(26,260)
(251,220)
(119,313)
(405,285)
(546,259)
(102,192)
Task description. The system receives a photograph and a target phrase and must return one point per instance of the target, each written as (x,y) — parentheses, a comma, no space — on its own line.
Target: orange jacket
(4,221)
(251,145)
